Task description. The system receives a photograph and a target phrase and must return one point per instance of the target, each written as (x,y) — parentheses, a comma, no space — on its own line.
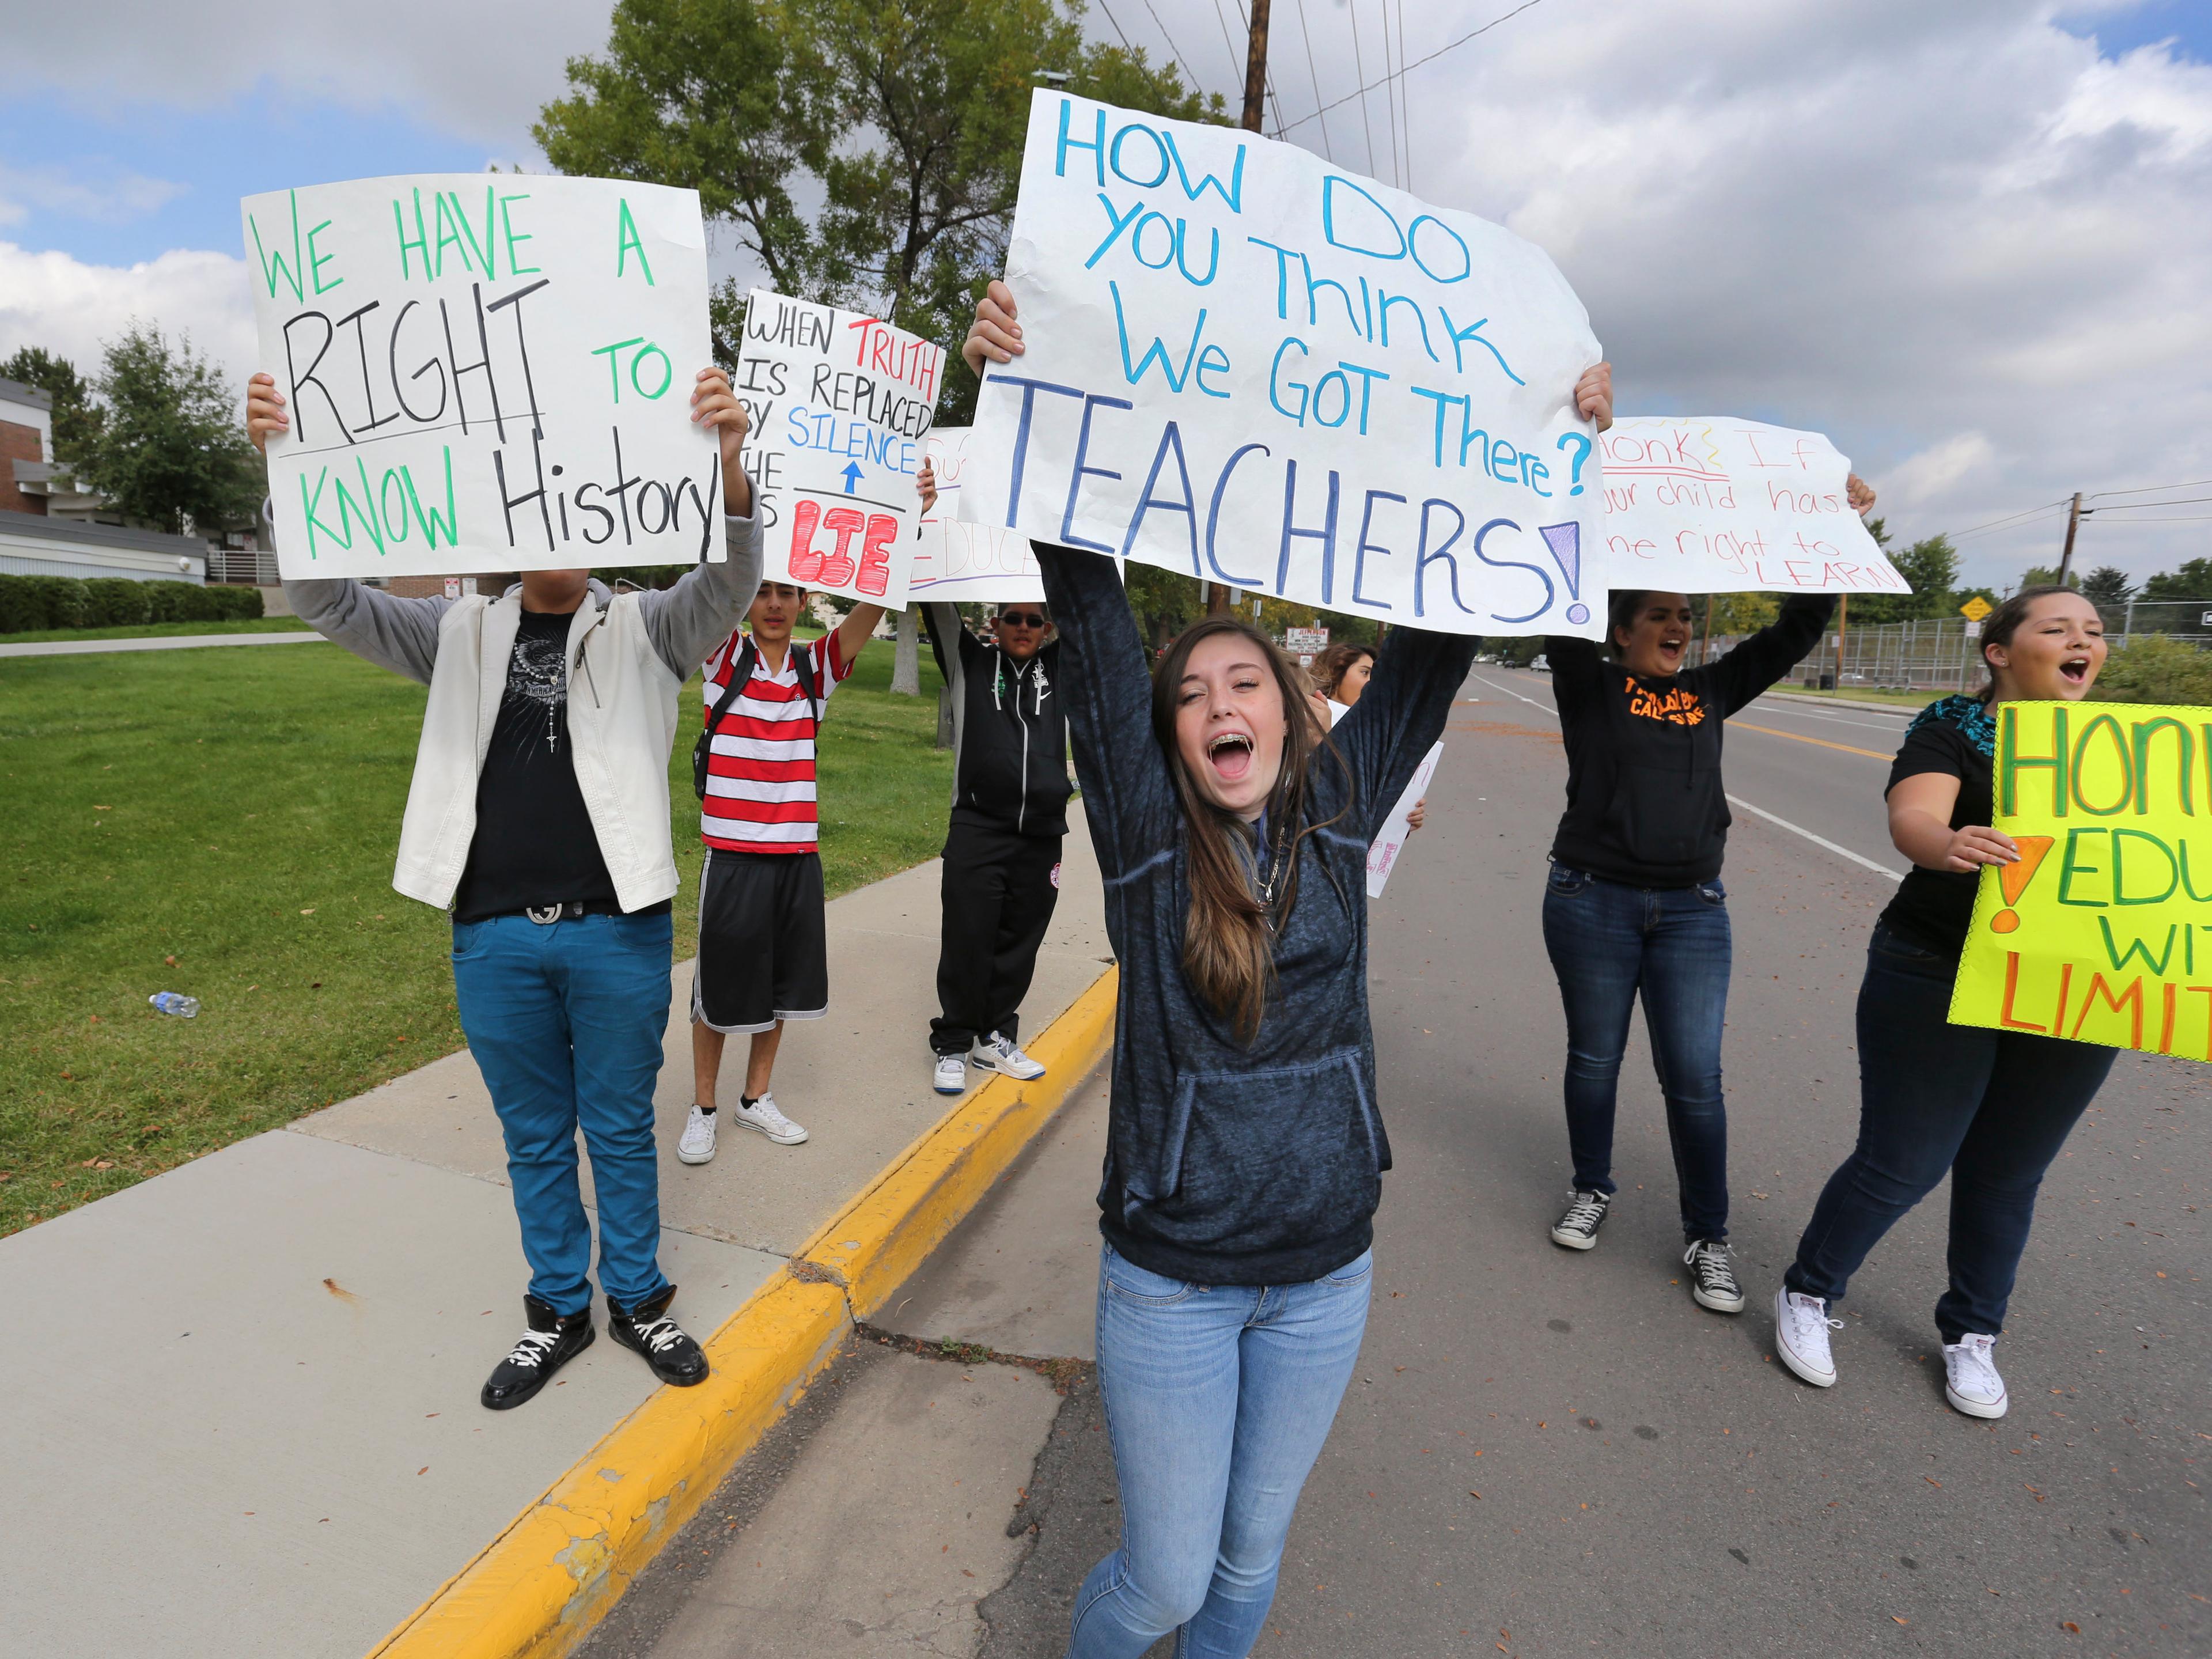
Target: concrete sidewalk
(163,642)
(248,1387)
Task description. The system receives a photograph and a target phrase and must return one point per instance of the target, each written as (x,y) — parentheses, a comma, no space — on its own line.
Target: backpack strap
(741,676)
(802,662)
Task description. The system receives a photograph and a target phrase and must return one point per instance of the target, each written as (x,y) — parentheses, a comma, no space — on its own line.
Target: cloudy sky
(1967,239)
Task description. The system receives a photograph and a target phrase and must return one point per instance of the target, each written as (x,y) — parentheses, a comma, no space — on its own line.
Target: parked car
(1540,663)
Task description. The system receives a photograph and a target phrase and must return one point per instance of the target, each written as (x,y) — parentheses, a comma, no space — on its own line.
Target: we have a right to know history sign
(2102,931)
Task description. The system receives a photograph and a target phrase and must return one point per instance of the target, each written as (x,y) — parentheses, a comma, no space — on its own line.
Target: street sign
(1299,640)
(1976,608)
(1973,630)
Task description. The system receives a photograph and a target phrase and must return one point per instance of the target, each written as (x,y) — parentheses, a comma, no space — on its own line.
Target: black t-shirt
(1935,908)
(534,843)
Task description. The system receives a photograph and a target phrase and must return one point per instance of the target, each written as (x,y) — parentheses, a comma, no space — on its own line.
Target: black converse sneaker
(647,1329)
(552,1341)
(1712,1282)
(1576,1227)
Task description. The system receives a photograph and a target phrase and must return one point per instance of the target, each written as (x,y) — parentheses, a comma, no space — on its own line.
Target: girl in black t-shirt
(1991,1108)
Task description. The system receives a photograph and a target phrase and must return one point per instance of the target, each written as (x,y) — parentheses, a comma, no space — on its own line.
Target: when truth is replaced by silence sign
(485,373)
(2102,932)
(1255,368)
(1709,504)
(841,416)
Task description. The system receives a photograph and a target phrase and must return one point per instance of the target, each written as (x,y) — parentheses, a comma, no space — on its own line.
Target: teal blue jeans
(566,1022)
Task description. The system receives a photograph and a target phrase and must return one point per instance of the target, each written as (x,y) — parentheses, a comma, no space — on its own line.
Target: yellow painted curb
(538,1589)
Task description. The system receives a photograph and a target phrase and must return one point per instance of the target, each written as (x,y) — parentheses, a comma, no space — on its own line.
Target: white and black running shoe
(1576,1227)
(1712,1280)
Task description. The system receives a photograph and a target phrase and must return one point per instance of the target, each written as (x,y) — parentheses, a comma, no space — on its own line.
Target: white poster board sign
(848,400)
(960,561)
(1383,855)
(1712,505)
(484,372)
(1255,368)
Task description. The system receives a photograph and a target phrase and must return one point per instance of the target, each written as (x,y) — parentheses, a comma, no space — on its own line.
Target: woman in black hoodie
(1245,1149)
(1634,905)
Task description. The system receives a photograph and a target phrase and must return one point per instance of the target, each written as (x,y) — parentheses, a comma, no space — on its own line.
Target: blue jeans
(1989,1107)
(1609,942)
(1217,1399)
(566,1023)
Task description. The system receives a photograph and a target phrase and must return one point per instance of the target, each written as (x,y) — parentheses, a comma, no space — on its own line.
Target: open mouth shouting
(1672,645)
(1229,754)
(2075,670)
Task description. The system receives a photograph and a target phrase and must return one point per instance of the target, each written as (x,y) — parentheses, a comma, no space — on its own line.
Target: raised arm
(1401,715)
(1770,653)
(1127,796)
(688,620)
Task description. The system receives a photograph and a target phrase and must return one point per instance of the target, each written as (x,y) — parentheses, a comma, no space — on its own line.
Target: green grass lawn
(221,823)
(160,630)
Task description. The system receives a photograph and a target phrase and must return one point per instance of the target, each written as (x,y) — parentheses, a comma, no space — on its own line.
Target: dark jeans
(1610,943)
(565,1022)
(998,893)
(1992,1108)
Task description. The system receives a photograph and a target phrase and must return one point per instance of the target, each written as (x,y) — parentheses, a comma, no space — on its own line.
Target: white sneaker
(998,1053)
(951,1077)
(762,1115)
(698,1145)
(1971,1384)
(1801,1336)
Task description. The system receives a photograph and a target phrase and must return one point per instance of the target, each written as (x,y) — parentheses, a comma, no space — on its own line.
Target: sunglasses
(1023,618)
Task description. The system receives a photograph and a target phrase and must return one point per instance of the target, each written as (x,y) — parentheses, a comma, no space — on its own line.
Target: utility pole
(1843,616)
(1220,597)
(2073,524)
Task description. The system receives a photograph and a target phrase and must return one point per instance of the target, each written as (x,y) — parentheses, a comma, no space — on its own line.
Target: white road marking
(1864,862)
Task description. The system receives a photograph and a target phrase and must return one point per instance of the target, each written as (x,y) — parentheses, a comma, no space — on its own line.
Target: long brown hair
(1228,942)
(2001,623)
(1329,668)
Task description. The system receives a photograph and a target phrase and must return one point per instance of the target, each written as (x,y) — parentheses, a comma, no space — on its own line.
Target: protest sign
(843,407)
(2101,932)
(957,559)
(485,374)
(1383,854)
(1258,369)
(1712,505)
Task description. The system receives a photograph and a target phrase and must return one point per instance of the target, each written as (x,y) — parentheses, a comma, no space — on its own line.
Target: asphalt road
(1547,1452)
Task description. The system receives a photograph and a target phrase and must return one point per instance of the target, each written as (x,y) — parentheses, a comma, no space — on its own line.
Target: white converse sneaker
(698,1145)
(1801,1336)
(951,1077)
(762,1115)
(1576,1227)
(1972,1383)
(1712,1282)
(998,1053)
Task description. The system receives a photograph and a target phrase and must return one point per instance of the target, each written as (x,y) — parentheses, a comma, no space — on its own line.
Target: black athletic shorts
(763,955)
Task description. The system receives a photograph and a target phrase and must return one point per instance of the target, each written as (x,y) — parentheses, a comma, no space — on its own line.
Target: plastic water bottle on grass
(171,1002)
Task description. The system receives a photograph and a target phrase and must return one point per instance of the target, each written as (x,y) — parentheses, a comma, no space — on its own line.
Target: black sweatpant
(998,891)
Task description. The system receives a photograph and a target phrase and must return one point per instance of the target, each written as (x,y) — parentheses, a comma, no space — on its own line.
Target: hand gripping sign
(1710,504)
(844,407)
(2098,933)
(484,373)
(1258,369)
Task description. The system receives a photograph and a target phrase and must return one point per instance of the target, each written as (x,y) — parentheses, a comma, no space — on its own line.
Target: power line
(1244,20)
(2147,489)
(1389,93)
(1172,53)
(1359,68)
(1432,57)
(2182,518)
(1996,523)
(2137,506)
(1405,94)
(1116,22)
(1320,108)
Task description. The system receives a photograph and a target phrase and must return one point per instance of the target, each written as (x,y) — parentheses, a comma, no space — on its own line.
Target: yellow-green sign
(1975,609)
(2102,932)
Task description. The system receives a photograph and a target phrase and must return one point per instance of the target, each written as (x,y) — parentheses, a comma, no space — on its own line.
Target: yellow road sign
(1976,608)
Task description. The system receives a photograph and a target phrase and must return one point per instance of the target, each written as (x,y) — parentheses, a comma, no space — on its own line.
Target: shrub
(27,603)
(2156,669)
(116,602)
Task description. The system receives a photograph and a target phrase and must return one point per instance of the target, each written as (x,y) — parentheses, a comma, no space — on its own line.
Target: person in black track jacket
(1009,794)
(1634,905)
(1245,1147)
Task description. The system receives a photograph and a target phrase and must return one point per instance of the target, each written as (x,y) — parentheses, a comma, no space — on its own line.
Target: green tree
(2107,585)
(2047,576)
(77,419)
(2193,581)
(904,118)
(1165,602)
(1931,566)
(172,451)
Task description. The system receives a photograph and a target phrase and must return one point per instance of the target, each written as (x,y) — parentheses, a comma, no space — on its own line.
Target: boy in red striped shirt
(764,957)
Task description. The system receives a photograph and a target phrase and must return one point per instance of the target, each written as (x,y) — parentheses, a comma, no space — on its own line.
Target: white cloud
(106,196)
(69,307)
(1940,468)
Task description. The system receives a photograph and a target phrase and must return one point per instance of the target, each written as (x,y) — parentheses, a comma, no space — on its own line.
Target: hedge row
(30,603)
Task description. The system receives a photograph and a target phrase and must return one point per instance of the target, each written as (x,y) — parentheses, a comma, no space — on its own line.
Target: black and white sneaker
(552,1341)
(1576,1227)
(647,1330)
(1712,1282)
